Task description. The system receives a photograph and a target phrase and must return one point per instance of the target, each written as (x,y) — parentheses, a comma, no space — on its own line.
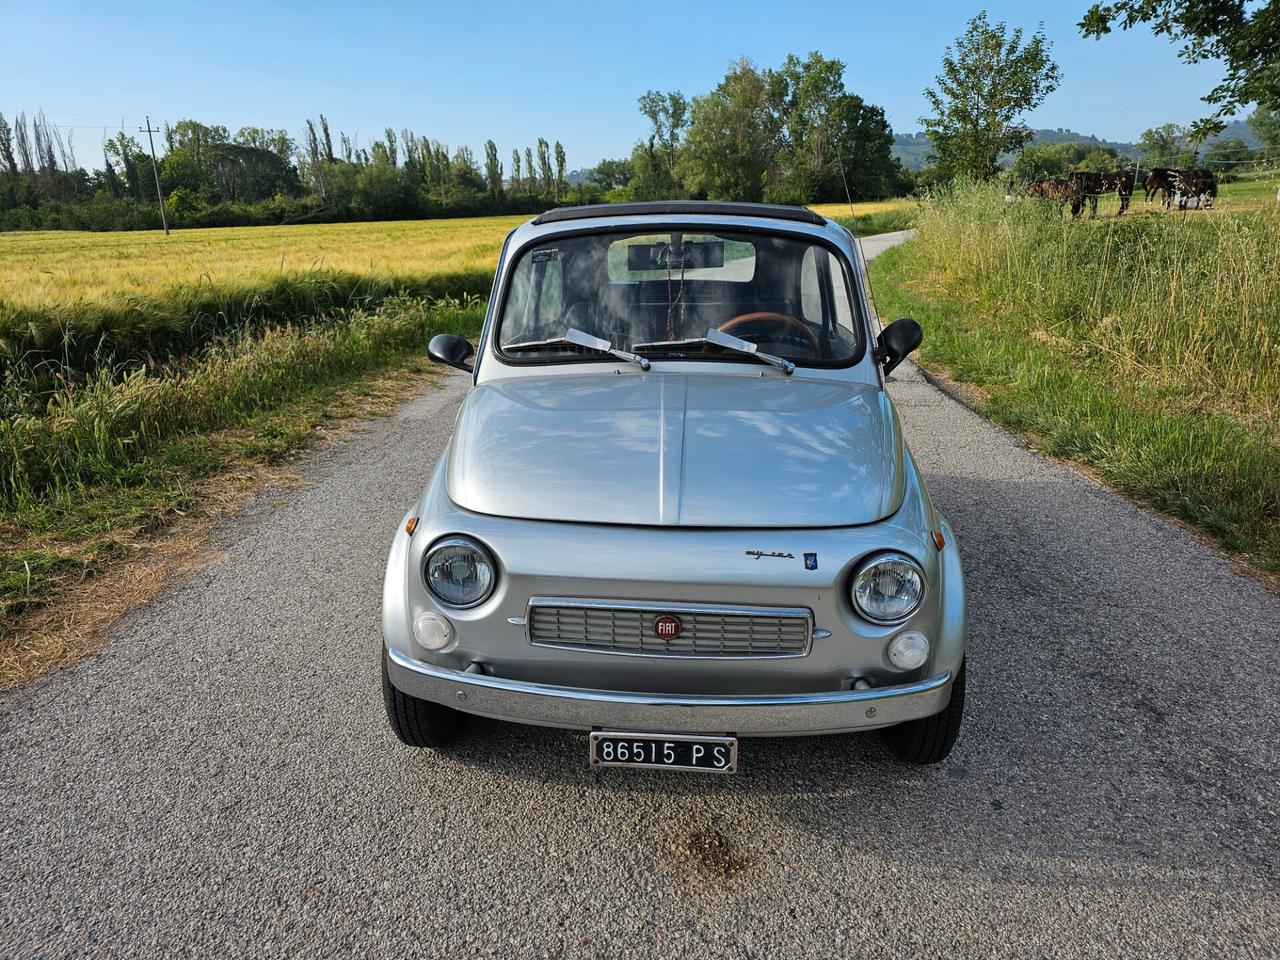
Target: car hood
(721,450)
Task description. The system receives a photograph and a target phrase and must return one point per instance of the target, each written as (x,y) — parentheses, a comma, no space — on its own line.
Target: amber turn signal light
(939,540)
(412,525)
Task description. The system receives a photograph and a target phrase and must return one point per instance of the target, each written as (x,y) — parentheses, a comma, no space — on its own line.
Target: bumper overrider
(519,701)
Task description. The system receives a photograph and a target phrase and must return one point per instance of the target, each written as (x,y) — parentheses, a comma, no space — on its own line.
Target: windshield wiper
(726,341)
(576,338)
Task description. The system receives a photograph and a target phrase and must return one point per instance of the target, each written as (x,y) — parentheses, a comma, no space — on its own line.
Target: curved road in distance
(219,780)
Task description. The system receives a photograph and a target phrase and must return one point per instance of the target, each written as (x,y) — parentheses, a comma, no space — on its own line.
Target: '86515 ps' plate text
(664,751)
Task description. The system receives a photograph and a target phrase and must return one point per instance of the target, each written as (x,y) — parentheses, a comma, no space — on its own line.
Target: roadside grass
(115,462)
(1147,348)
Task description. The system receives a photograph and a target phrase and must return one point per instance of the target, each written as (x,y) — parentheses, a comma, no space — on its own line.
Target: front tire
(417,723)
(929,739)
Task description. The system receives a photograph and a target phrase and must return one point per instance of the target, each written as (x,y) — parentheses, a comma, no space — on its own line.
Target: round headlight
(888,588)
(459,572)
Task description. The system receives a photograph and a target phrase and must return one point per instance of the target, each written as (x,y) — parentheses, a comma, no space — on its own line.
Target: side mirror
(451,350)
(896,341)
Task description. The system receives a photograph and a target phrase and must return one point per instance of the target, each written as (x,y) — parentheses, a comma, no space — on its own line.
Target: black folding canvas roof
(774,211)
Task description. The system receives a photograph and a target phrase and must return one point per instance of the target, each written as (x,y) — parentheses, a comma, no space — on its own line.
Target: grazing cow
(1196,184)
(1205,184)
(1041,188)
(1086,187)
(1159,180)
(1059,189)
(1122,183)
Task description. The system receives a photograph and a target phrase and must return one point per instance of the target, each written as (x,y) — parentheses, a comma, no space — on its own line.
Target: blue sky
(462,73)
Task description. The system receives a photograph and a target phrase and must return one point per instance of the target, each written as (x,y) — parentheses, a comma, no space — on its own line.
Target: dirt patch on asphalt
(709,854)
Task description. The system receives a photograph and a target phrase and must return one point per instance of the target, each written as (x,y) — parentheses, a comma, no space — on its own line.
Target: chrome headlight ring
(459,572)
(888,588)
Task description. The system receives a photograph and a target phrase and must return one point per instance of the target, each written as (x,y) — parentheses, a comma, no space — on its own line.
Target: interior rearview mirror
(691,255)
(452,350)
(896,341)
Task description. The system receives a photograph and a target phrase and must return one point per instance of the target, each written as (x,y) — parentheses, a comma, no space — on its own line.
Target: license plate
(671,751)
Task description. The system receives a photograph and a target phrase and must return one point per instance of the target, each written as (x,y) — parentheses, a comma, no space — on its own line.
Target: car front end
(771,641)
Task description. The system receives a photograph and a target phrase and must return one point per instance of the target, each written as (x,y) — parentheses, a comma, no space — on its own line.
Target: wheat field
(843,210)
(43,268)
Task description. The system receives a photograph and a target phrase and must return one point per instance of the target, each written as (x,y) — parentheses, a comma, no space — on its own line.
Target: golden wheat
(53,268)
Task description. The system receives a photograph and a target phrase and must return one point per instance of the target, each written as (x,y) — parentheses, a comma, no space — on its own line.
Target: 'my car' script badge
(757,554)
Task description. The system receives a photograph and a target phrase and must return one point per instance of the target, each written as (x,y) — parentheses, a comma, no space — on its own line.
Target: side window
(551,296)
(810,285)
(841,294)
(519,309)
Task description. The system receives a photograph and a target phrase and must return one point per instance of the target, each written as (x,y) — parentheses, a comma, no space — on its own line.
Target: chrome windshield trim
(650,606)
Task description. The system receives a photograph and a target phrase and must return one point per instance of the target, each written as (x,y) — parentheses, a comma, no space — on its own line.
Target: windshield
(658,293)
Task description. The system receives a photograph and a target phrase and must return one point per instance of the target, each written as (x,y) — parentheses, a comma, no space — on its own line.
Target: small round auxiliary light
(411,525)
(909,650)
(939,540)
(432,631)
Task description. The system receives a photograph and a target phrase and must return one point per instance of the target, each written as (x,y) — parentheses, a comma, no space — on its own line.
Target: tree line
(792,135)
(211,177)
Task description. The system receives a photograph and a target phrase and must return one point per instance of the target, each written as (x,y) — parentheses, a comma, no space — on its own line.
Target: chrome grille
(706,631)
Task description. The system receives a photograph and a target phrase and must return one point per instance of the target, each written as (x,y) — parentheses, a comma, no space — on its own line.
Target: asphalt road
(219,780)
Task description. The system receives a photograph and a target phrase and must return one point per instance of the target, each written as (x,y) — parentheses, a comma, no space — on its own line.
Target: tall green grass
(1147,347)
(95,431)
(77,337)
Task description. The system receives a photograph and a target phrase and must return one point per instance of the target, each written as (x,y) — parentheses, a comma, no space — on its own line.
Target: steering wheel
(791,323)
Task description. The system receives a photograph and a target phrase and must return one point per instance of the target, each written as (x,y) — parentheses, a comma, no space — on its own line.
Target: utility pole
(155,169)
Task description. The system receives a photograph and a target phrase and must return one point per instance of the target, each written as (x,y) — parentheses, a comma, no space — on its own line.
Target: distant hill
(1063,135)
(913,149)
(1237,130)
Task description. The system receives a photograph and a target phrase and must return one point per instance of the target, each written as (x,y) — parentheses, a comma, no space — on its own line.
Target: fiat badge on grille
(666,628)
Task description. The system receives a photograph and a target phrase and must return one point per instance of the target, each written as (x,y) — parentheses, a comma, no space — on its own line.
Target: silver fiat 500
(677,508)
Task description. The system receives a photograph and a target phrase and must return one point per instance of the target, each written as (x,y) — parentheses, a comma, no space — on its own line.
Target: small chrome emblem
(666,628)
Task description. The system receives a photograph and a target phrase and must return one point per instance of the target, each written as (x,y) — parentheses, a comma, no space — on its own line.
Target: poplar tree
(6,146)
(544,164)
(559,168)
(492,169)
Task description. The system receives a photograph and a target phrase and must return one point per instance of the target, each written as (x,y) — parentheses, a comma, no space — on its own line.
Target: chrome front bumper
(781,715)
